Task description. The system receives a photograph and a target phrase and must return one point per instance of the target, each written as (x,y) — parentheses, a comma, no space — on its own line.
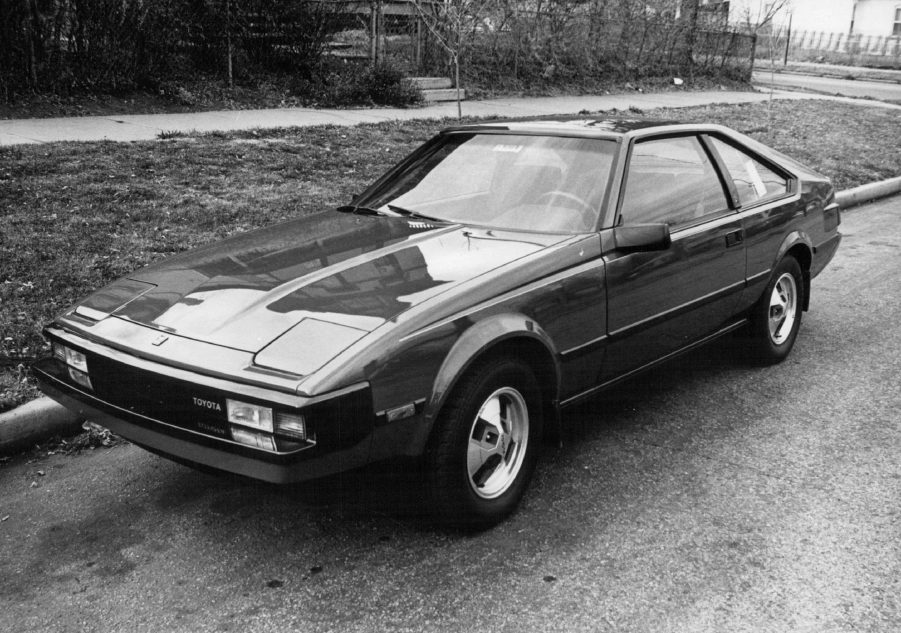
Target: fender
(790,241)
(476,341)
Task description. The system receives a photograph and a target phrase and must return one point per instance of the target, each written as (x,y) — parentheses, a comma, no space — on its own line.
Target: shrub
(386,85)
(341,83)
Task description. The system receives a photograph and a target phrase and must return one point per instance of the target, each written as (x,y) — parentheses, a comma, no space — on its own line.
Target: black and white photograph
(452,316)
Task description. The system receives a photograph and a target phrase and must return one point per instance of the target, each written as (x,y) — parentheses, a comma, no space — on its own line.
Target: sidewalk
(142,127)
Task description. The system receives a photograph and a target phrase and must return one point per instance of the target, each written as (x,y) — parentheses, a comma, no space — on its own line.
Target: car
(445,317)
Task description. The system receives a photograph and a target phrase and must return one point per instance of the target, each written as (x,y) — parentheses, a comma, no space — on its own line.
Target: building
(877,17)
(880,18)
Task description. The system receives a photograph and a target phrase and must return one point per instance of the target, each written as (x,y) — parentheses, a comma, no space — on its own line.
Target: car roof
(581,126)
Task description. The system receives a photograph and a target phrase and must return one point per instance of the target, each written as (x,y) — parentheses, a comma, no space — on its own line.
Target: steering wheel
(582,206)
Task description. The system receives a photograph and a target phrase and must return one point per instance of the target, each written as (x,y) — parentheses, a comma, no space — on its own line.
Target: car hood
(331,278)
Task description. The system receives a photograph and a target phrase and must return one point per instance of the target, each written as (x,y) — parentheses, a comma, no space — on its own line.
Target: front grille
(159,397)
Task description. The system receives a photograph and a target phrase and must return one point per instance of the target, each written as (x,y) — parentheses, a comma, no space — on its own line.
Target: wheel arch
(513,335)
(798,245)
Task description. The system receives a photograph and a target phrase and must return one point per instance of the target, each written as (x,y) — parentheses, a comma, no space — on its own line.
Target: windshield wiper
(349,208)
(408,213)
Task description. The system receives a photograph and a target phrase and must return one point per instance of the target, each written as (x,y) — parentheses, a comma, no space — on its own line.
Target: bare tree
(454,24)
(691,15)
(760,22)
(755,20)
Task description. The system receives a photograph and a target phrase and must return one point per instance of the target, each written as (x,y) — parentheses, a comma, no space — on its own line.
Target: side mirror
(639,238)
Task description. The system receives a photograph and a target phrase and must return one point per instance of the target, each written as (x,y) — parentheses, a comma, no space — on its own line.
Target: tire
(480,461)
(776,317)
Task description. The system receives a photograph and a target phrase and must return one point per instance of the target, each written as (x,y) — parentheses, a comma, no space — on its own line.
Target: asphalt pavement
(855,88)
(709,495)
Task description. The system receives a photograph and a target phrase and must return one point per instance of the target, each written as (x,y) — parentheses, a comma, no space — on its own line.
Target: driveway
(706,496)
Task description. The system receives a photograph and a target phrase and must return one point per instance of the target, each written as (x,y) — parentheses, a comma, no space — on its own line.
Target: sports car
(451,312)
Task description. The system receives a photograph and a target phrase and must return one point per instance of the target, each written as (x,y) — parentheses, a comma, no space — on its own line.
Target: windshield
(518,182)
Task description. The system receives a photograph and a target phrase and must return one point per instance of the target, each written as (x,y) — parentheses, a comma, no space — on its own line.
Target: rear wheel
(776,317)
(485,446)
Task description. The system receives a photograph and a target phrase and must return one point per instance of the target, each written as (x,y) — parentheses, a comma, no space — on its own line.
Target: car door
(762,191)
(659,302)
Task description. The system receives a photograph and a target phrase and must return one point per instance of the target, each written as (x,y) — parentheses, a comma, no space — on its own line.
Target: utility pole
(788,39)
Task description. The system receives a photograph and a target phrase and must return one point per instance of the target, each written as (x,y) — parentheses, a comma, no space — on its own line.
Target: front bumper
(145,409)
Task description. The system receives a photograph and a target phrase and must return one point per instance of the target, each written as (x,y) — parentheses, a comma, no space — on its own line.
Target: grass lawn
(77,215)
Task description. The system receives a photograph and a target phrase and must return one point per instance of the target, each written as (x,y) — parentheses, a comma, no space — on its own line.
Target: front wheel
(485,446)
(776,318)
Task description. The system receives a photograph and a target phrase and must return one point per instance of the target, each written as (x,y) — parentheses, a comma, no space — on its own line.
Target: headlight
(252,415)
(243,415)
(76,362)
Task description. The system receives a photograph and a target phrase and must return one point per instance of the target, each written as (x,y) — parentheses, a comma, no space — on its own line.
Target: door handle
(733,238)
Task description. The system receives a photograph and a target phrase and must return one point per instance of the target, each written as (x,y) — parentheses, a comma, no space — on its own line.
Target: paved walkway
(140,127)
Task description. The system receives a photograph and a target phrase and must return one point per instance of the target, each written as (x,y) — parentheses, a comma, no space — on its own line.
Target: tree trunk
(692,11)
(34,36)
(228,36)
(457,83)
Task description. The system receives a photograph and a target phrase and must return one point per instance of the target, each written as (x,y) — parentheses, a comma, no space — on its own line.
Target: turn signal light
(291,425)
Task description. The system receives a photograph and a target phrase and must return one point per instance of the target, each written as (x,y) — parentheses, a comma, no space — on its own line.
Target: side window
(671,180)
(753,180)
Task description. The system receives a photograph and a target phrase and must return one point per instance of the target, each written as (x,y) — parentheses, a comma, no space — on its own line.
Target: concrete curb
(868,193)
(43,418)
(35,422)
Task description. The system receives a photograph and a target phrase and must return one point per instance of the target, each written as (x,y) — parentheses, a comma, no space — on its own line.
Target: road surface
(880,90)
(706,496)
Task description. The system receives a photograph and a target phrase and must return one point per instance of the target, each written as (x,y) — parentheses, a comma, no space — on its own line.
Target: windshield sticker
(513,149)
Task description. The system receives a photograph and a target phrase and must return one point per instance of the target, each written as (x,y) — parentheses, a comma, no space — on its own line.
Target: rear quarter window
(754,181)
